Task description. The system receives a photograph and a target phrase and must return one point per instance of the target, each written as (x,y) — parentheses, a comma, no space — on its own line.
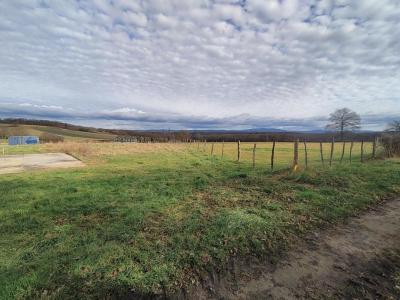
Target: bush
(51,138)
(76,149)
(391,144)
(3,133)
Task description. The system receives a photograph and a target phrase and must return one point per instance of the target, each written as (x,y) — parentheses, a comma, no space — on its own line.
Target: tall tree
(343,120)
(394,127)
(182,135)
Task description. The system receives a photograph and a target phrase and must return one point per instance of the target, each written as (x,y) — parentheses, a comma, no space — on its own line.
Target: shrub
(77,149)
(391,144)
(50,138)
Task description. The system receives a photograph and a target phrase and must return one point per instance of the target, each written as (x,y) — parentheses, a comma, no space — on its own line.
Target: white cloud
(127,110)
(136,19)
(214,59)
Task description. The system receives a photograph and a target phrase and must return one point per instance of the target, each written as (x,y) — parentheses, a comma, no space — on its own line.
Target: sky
(200,64)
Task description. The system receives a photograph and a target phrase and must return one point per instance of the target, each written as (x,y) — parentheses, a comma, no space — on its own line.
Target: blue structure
(23,140)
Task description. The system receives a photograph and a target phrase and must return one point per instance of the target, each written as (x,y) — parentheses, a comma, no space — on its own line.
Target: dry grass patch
(79,150)
(91,150)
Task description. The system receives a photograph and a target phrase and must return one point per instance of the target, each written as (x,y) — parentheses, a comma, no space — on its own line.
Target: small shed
(23,140)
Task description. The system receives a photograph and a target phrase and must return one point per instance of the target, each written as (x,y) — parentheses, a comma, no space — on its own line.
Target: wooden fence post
(212,149)
(332,149)
(374,148)
(254,155)
(238,151)
(351,150)
(322,153)
(198,145)
(296,156)
(222,154)
(343,150)
(273,155)
(305,154)
(205,146)
(362,151)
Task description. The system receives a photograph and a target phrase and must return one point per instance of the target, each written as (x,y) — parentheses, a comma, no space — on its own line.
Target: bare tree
(394,127)
(343,120)
(182,135)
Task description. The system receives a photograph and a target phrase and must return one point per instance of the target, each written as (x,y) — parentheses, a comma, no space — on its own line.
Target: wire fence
(270,155)
(298,154)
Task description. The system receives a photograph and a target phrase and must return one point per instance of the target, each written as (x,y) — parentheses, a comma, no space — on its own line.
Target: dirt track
(334,264)
(25,162)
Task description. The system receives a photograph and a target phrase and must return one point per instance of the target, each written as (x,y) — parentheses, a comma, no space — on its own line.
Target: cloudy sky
(200,63)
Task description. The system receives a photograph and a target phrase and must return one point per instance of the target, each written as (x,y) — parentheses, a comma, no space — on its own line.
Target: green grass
(20,149)
(284,152)
(154,222)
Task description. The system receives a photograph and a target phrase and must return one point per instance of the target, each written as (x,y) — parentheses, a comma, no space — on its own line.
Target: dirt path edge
(319,266)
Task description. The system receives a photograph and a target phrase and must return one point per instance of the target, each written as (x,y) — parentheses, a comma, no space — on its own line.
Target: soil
(26,162)
(355,260)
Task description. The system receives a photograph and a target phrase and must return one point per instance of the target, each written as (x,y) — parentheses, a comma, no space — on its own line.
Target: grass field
(152,218)
(284,152)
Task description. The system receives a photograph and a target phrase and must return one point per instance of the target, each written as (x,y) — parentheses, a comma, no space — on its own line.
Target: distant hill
(233,131)
(9,127)
(264,130)
(53,129)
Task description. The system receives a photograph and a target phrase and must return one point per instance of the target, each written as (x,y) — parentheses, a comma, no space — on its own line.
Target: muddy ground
(355,260)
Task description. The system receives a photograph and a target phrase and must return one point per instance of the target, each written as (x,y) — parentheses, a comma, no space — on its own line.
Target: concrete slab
(25,162)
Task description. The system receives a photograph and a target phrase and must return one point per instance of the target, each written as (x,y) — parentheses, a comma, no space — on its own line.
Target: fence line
(280,153)
(305,154)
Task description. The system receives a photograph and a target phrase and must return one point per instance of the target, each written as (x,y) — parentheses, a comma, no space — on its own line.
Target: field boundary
(300,149)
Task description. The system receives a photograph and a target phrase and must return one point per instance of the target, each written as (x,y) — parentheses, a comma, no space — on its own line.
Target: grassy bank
(155,221)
